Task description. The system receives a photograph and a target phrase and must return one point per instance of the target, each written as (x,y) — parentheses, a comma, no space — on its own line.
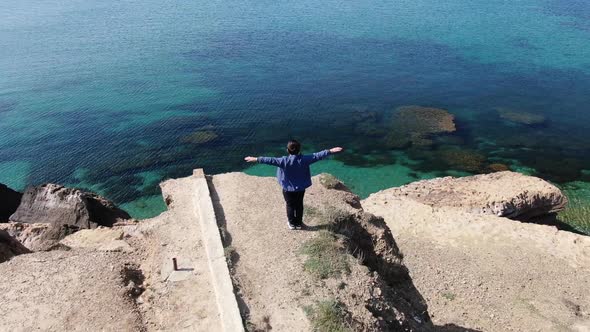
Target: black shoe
(292,227)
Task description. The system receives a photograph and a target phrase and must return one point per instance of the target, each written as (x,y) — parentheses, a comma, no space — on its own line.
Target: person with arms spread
(294,176)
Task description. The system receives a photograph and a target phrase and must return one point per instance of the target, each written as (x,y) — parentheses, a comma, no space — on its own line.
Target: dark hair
(293,147)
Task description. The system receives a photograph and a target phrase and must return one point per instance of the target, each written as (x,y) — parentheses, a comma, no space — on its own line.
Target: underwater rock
(414,125)
(58,205)
(497,167)
(520,117)
(9,201)
(464,160)
(504,194)
(367,123)
(200,137)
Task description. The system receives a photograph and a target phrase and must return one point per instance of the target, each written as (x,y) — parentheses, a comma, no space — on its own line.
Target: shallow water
(108,95)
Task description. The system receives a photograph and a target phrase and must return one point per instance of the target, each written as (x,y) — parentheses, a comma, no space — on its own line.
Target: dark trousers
(294,200)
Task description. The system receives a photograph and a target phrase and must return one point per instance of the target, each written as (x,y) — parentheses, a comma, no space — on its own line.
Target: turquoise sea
(115,96)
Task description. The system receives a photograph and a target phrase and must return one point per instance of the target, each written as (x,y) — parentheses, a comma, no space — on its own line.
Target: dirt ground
(67,291)
(489,273)
(268,266)
(254,227)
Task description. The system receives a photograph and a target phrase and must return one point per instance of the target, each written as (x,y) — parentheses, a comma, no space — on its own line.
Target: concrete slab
(226,300)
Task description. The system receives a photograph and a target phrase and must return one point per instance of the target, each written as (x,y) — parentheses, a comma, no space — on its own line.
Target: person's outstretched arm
(323,154)
(265,160)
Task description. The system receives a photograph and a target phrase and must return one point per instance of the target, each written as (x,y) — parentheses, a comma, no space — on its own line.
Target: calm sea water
(115,96)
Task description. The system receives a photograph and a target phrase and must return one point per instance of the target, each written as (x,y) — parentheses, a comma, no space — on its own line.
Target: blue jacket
(293,170)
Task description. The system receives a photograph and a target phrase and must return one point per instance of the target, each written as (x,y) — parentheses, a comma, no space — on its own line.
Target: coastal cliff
(466,265)
(479,269)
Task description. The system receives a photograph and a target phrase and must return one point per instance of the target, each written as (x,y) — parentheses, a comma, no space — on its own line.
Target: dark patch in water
(7,106)
(523,43)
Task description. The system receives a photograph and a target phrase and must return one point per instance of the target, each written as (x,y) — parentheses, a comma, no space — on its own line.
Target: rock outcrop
(504,194)
(58,205)
(38,236)
(101,239)
(10,247)
(9,201)
(480,272)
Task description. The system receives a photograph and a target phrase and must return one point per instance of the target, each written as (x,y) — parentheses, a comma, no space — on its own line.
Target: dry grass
(329,181)
(310,211)
(326,256)
(448,295)
(327,316)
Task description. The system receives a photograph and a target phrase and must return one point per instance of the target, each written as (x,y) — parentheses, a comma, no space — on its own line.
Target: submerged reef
(414,126)
(520,117)
(464,160)
(497,167)
(199,137)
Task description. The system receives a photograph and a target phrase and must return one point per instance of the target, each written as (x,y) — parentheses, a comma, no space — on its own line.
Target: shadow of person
(315,228)
(453,328)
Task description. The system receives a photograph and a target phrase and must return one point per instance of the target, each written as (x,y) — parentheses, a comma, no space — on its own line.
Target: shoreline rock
(504,194)
(59,205)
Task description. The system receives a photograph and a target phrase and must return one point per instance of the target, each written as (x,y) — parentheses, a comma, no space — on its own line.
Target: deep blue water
(103,95)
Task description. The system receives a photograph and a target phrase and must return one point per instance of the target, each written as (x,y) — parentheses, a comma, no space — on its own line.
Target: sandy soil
(67,291)
(489,273)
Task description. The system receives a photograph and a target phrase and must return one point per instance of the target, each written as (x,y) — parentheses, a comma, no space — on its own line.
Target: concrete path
(199,295)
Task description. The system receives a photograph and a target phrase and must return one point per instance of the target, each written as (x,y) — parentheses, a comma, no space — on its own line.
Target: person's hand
(336,149)
(251,159)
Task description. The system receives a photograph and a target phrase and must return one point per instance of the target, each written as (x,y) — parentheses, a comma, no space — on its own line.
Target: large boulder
(9,201)
(58,205)
(504,194)
(10,247)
